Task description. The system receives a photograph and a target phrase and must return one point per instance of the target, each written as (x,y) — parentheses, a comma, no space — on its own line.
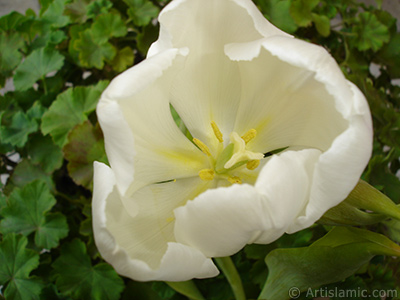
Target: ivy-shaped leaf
(91,53)
(27,211)
(10,56)
(370,33)
(123,59)
(26,172)
(142,11)
(54,14)
(77,277)
(17,132)
(76,10)
(36,66)
(301,11)
(45,153)
(107,26)
(98,7)
(278,12)
(69,109)
(85,145)
(16,263)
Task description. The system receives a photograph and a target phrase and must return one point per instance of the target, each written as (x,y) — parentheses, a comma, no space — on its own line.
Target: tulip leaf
(70,109)
(16,263)
(332,258)
(91,53)
(78,278)
(141,11)
(27,211)
(107,26)
(370,32)
(85,145)
(36,66)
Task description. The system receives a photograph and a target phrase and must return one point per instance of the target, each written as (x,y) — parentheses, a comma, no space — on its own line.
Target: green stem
(228,268)
(186,288)
(44,85)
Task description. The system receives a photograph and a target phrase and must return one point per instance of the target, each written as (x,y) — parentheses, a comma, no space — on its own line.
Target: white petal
(143,143)
(143,247)
(287,104)
(208,88)
(339,169)
(236,21)
(220,222)
(304,100)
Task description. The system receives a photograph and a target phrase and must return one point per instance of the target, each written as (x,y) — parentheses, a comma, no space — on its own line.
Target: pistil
(232,157)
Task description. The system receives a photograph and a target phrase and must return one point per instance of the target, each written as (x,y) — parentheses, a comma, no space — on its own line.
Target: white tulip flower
(244,89)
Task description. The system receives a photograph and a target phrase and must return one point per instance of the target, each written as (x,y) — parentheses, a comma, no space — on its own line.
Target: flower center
(235,155)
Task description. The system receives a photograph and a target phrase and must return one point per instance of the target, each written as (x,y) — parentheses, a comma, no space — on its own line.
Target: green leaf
(98,7)
(78,278)
(54,14)
(278,12)
(322,23)
(45,153)
(85,145)
(11,21)
(36,66)
(301,11)
(142,11)
(123,59)
(91,53)
(70,109)
(76,10)
(370,33)
(332,258)
(27,211)
(187,288)
(389,55)
(147,37)
(107,26)
(10,56)
(26,172)
(17,132)
(16,263)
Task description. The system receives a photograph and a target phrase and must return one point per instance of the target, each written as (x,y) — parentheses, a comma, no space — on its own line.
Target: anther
(253,164)
(202,146)
(234,179)
(249,135)
(217,132)
(206,174)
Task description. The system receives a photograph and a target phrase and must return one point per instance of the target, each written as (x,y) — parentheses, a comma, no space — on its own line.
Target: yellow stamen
(217,132)
(249,135)
(170,219)
(202,146)
(207,174)
(253,164)
(234,179)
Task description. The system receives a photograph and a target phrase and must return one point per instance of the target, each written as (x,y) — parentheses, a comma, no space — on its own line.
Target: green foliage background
(63,58)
